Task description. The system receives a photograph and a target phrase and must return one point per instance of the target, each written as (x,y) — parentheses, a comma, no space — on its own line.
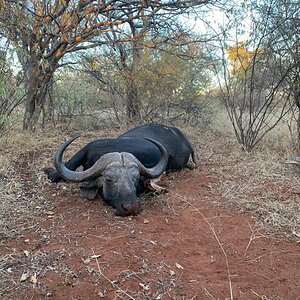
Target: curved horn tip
(60,151)
(74,138)
(73,175)
(162,164)
(68,142)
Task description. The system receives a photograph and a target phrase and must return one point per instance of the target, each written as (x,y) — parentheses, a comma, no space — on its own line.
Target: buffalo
(117,169)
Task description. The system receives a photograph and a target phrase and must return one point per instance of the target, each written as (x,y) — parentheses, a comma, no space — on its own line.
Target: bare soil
(186,244)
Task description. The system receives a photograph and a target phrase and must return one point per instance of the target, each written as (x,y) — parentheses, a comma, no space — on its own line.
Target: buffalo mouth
(128,209)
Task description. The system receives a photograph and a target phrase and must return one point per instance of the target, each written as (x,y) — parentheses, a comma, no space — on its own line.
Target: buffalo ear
(91,189)
(88,192)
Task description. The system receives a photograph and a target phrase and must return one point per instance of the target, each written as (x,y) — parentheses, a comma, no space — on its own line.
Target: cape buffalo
(117,168)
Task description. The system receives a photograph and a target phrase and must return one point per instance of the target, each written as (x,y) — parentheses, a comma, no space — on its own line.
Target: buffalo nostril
(131,208)
(125,207)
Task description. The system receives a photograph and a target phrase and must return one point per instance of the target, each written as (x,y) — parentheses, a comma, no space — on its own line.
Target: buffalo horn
(100,165)
(74,176)
(160,167)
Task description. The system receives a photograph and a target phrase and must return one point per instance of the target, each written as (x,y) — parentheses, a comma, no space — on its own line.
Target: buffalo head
(115,175)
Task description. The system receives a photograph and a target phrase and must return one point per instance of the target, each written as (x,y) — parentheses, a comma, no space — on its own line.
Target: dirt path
(182,246)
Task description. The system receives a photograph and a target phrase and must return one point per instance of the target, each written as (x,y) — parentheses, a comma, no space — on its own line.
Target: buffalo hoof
(153,185)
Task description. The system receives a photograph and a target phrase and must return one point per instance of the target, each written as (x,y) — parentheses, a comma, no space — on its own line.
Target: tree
(129,58)
(284,25)
(11,94)
(257,90)
(241,58)
(169,78)
(44,32)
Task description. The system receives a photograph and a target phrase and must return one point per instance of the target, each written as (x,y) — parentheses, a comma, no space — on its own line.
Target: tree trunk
(297,101)
(133,103)
(37,81)
(48,107)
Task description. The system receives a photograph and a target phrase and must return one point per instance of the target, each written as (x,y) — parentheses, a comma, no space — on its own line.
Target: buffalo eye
(110,179)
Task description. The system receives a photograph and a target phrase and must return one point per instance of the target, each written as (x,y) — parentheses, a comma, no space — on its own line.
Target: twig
(219,243)
(111,282)
(251,238)
(262,297)
(209,294)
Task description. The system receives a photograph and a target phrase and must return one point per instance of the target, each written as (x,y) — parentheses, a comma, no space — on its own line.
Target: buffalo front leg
(153,185)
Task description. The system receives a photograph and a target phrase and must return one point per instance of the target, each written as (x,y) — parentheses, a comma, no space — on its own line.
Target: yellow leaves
(39,8)
(241,58)
(234,51)
(41,11)
(78,38)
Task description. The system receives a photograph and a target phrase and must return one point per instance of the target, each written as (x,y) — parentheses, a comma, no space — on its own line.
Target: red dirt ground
(182,246)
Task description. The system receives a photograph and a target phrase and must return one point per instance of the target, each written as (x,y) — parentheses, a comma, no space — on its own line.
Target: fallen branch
(252,238)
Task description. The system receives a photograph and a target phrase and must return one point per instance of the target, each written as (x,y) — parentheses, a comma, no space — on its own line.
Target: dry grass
(256,181)
(23,156)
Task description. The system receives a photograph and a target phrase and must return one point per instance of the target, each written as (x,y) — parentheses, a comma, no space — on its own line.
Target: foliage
(11,93)
(241,58)
(256,100)
(43,32)
(170,87)
(258,90)
(77,101)
(284,23)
